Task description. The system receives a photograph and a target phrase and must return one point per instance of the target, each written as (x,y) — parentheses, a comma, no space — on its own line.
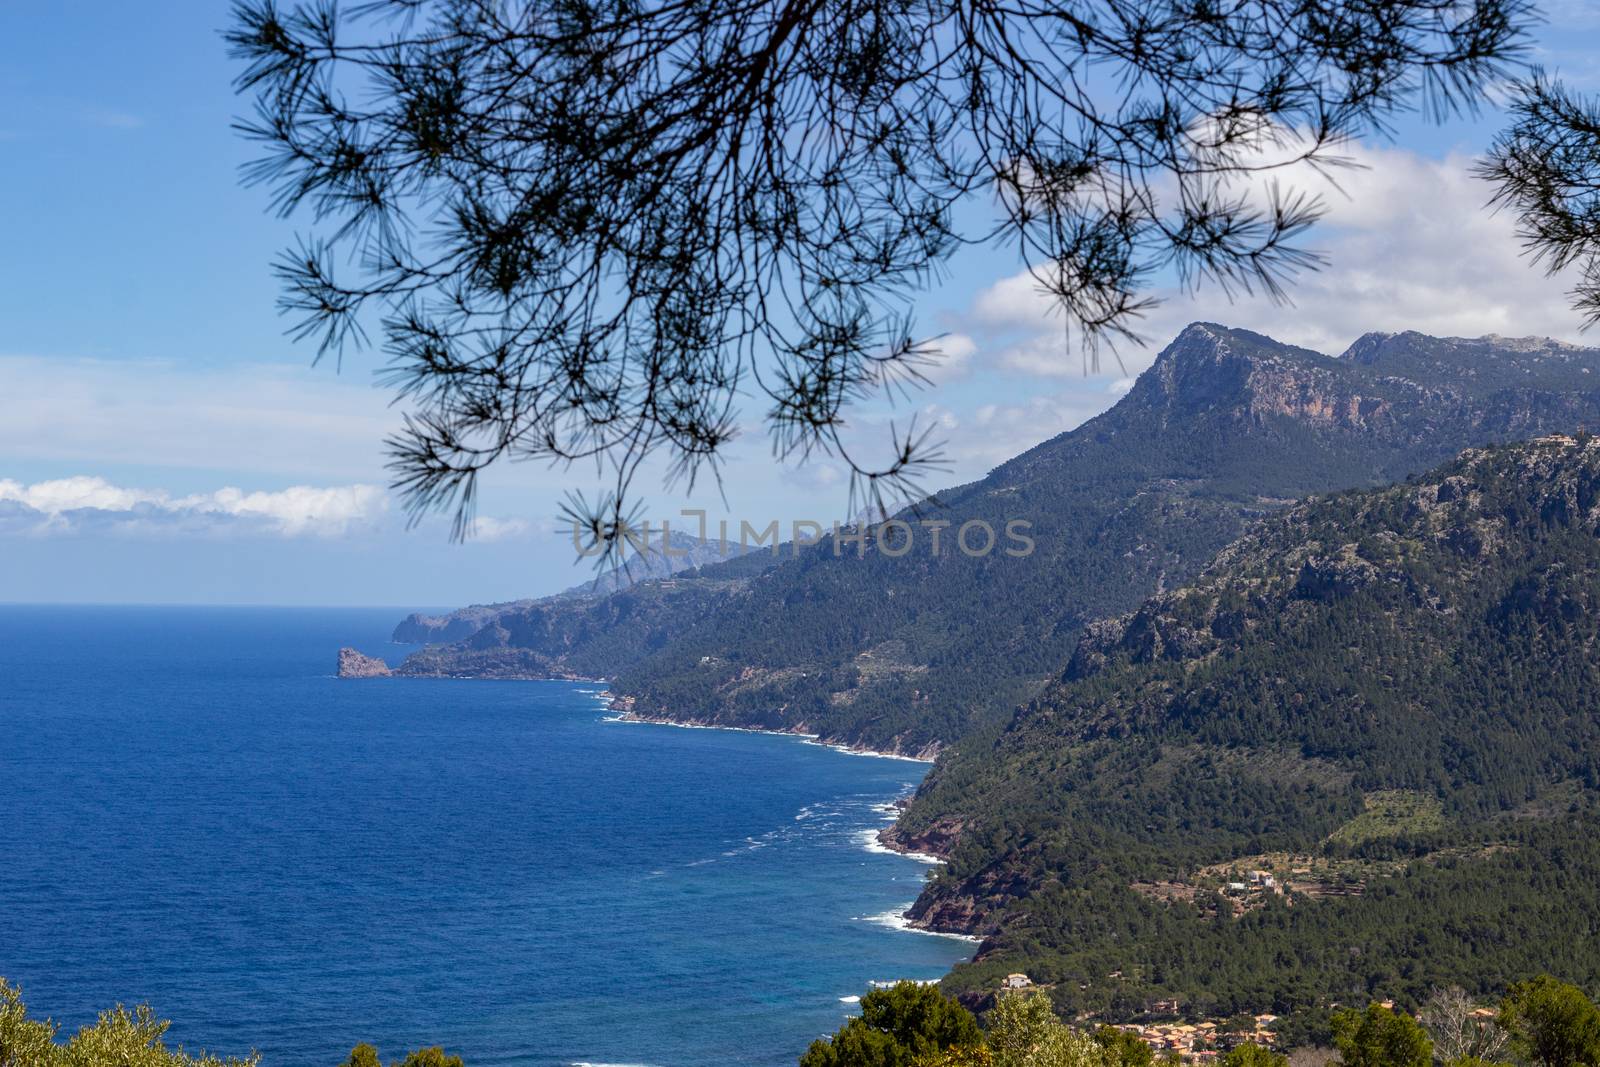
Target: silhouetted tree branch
(1546,168)
(590,226)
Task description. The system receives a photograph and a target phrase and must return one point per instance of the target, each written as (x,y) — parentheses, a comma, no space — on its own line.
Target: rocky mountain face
(1384,695)
(353,664)
(909,650)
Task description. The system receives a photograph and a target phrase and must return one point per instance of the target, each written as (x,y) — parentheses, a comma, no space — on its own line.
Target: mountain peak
(1233,339)
(1378,345)
(1209,366)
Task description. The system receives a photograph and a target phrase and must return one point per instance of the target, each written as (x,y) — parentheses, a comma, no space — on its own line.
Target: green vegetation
(1250,1054)
(1392,813)
(900,1026)
(1024,1032)
(1380,1037)
(120,1038)
(1122,1048)
(1393,682)
(123,1038)
(1551,1023)
(365,1055)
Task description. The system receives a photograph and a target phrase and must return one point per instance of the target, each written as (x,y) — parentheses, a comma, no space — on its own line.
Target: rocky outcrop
(971,906)
(936,839)
(353,664)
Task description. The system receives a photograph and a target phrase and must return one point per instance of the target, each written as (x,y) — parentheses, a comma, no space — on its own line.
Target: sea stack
(353,664)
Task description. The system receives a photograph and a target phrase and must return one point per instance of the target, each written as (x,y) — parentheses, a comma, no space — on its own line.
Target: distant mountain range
(642,563)
(911,652)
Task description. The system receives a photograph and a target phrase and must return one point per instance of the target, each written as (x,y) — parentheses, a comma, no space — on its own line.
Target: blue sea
(198,815)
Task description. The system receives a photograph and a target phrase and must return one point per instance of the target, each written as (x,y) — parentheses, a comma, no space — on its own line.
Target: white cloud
(817,476)
(1411,245)
(70,494)
(488,529)
(1012,301)
(288,420)
(1045,355)
(85,503)
(997,432)
(952,358)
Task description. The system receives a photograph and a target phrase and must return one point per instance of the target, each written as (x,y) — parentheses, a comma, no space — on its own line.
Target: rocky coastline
(353,664)
(938,910)
(501,665)
(629,711)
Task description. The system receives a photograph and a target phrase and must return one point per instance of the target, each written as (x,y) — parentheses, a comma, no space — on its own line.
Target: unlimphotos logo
(894,537)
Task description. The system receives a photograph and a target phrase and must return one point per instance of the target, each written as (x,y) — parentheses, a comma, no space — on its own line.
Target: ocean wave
(812,739)
(818,811)
(896,920)
(868,839)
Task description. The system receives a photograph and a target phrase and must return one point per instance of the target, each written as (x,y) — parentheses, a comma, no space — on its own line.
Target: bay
(200,816)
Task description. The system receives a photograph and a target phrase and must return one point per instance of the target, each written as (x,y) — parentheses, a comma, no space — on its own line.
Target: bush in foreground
(123,1038)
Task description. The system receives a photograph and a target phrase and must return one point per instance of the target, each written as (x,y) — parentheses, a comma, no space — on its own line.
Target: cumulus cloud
(952,359)
(1410,243)
(85,503)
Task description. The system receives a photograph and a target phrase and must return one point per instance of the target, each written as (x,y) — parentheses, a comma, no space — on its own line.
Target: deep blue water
(197,815)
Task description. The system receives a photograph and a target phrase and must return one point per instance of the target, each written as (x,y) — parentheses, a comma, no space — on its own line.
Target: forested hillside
(577,637)
(1366,736)
(904,652)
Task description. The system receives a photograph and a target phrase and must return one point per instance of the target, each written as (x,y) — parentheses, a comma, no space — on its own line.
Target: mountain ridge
(649,561)
(1225,427)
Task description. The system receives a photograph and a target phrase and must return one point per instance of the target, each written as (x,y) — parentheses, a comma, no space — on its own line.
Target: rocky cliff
(353,664)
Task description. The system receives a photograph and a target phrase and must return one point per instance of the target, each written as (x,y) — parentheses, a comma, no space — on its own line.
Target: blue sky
(162,441)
